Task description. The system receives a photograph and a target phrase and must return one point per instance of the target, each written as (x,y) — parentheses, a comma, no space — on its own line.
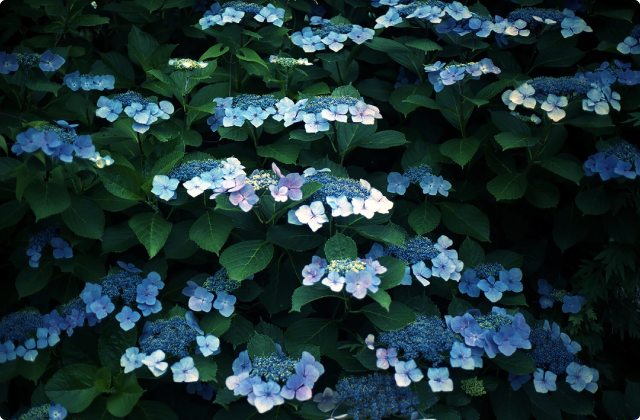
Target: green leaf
(240,331)
(316,331)
(350,135)
(140,47)
(613,402)
(508,186)
(426,102)
(31,280)
(12,212)
(569,228)
(88,20)
(246,258)
(211,231)
(295,238)
(572,402)
(398,316)
(152,231)
(152,410)
(207,368)
(305,294)
(113,343)
(84,217)
(509,123)
(118,238)
(340,247)
(382,297)
(466,219)
(122,182)
(214,323)
(519,363)
(381,233)
(542,406)
(125,396)
(395,272)
(261,346)
(513,140)
(214,52)
(458,306)
(178,245)
(593,201)
(283,151)
(460,150)
(423,44)
(47,198)
(424,218)
(471,253)
(382,140)
(509,404)
(73,387)
(565,168)
(542,194)
(103,380)
(558,57)
(247,54)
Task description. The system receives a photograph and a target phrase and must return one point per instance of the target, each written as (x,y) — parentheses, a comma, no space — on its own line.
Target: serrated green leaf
(211,231)
(460,150)
(424,218)
(73,387)
(306,294)
(508,186)
(471,253)
(593,201)
(381,233)
(152,231)
(565,168)
(295,238)
(84,217)
(466,219)
(340,247)
(31,280)
(261,346)
(519,363)
(126,394)
(398,316)
(246,258)
(542,194)
(47,199)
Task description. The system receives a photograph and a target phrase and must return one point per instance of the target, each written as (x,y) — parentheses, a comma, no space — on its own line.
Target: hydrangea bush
(295,209)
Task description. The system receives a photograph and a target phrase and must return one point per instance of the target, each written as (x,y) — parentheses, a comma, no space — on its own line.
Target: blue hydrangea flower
(61,249)
(571,304)
(164,187)
(629,46)
(83,146)
(28,351)
(407,372)
(7,351)
(391,18)
(469,283)
(209,345)
(524,95)
(359,34)
(513,279)
(508,340)
(433,185)
(578,376)
(201,300)
(46,338)
(109,109)
(517,381)
(8,63)
(422,272)
(50,61)
(185,370)
(155,362)
(461,357)
(492,289)
(544,381)
(573,26)
(57,412)
(553,105)
(102,307)
(439,380)
(146,293)
(271,14)
(386,358)
(224,303)
(334,281)
(397,183)
(266,396)
(312,215)
(458,11)
(132,359)
(357,283)
(296,388)
(127,318)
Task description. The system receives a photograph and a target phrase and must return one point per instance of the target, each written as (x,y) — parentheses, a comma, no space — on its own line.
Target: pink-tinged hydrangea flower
(359,282)
(327,400)
(334,281)
(311,273)
(312,215)
(386,358)
(267,396)
(245,198)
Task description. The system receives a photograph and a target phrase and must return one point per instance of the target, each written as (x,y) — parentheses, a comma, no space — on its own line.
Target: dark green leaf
(398,316)
(152,231)
(246,258)
(47,198)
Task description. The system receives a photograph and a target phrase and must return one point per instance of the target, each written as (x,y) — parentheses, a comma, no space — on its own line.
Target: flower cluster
(357,275)
(47,61)
(143,110)
(316,112)
(614,161)
(441,75)
(183,370)
(197,176)
(268,381)
(463,21)
(172,335)
(235,11)
(329,33)
(288,61)
(419,175)
(609,73)
(187,64)
(492,280)
(415,251)
(87,82)
(375,397)
(496,332)
(570,304)
(58,141)
(554,94)
(628,46)
(61,249)
(201,298)
(45,412)
(345,196)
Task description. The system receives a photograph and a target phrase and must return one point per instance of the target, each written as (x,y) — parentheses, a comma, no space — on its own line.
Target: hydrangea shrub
(319,210)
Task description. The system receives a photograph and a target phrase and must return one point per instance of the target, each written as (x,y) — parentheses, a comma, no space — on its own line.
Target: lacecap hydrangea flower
(629,45)
(206,173)
(61,248)
(235,11)
(552,350)
(268,381)
(345,196)
(59,141)
(214,293)
(441,75)
(47,61)
(356,276)
(87,82)
(619,160)
(45,412)
(419,175)
(187,64)
(144,111)
(330,34)
(317,112)
(416,251)
(492,279)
